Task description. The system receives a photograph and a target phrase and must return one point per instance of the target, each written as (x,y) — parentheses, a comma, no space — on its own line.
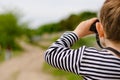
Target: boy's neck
(113,45)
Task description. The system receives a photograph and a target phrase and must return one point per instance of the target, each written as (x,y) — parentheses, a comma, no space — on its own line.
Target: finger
(91,21)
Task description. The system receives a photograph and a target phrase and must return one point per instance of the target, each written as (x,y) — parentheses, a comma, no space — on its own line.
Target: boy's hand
(83,29)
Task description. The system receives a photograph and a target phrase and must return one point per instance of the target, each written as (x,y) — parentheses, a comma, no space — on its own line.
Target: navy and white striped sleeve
(60,55)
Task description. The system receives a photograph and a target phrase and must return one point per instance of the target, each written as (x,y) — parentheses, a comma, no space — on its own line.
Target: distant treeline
(11,29)
(66,24)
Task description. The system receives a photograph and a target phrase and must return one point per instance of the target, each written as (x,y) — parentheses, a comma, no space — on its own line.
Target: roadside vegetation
(12,32)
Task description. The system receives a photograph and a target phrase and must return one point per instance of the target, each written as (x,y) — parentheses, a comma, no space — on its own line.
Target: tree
(9,30)
(66,24)
(49,28)
(73,20)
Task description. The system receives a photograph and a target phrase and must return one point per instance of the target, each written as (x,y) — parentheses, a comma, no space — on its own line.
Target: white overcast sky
(39,12)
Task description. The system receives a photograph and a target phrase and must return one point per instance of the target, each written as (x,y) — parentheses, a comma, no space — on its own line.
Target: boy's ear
(100,30)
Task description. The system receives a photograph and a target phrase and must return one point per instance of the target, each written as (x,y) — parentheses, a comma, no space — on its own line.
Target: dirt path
(25,67)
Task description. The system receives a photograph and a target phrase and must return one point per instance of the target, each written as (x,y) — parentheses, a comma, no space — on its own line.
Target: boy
(89,62)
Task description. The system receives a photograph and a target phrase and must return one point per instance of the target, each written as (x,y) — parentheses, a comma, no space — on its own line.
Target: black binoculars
(93,27)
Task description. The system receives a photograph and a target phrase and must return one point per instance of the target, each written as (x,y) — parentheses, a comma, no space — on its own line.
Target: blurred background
(28,27)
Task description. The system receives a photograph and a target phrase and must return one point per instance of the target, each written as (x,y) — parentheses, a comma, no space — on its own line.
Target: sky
(39,12)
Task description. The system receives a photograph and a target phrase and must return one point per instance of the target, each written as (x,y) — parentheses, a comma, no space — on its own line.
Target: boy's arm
(61,56)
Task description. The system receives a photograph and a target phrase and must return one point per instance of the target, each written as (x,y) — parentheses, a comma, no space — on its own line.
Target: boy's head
(110,19)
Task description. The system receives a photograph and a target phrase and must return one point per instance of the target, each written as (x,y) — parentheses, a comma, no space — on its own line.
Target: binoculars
(93,29)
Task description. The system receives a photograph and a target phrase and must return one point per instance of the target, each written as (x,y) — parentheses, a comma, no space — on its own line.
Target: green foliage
(2,55)
(49,28)
(66,24)
(88,41)
(29,33)
(9,30)
(73,20)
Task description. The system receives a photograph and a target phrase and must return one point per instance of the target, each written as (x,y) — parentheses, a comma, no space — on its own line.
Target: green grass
(60,74)
(87,41)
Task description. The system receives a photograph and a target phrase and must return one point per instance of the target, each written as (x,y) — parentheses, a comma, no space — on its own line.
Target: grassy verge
(87,41)
(13,54)
(60,74)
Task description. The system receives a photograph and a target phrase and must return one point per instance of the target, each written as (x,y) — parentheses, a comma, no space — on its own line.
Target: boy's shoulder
(94,50)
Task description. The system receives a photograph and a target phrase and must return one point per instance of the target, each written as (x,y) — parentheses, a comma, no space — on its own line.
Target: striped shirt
(89,62)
